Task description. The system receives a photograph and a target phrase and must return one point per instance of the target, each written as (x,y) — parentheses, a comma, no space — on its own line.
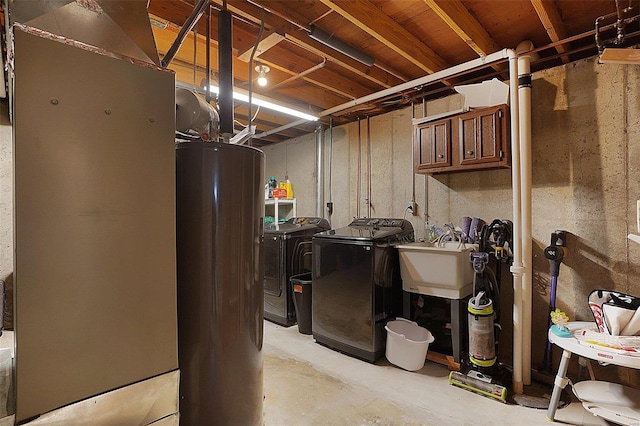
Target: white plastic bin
(484,94)
(407,344)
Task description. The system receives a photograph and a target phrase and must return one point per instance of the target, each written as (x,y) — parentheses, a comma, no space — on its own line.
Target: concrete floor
(308,384)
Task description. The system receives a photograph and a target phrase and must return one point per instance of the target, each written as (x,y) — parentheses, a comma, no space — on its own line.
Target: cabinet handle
(440,156)
(469,152)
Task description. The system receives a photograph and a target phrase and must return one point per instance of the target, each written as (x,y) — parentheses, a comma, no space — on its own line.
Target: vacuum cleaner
(481,372)
(555,253)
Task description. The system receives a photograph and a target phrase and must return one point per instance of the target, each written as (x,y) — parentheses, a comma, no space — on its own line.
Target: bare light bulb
(262,74)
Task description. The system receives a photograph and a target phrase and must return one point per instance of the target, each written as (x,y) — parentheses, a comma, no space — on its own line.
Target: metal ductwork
(117,26)
(194,113)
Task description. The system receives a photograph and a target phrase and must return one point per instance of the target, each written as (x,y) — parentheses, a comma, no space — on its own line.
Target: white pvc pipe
(409,85)
(524,97)
(516,268)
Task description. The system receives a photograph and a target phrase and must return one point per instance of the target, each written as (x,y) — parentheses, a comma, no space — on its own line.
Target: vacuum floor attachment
(479,383)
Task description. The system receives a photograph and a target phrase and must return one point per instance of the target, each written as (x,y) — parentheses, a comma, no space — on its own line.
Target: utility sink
(443,271)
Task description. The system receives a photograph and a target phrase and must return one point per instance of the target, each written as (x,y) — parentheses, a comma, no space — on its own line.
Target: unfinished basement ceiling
(407,39)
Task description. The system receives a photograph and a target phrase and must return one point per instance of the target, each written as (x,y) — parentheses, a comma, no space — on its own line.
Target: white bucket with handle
(407,344)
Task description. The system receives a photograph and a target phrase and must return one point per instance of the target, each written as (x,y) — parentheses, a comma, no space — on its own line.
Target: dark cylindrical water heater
(220,209)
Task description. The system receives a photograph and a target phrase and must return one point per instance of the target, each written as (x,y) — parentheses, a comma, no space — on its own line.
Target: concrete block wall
(586,180)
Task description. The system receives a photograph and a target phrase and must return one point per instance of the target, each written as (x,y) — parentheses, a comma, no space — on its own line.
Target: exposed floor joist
(465,25)
(552,22)
(378,25)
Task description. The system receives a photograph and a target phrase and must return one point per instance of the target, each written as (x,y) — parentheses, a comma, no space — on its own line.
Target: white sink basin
(444,271)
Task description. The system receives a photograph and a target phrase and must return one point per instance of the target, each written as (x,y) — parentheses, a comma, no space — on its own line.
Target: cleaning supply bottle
(286,185)
(273,184)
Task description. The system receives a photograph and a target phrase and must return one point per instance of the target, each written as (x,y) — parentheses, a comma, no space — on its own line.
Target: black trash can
(302,301)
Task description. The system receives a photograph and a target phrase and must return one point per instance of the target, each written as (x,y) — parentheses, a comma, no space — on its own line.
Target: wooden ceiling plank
(460,20)
(380,26)
(265,44)
(553,25)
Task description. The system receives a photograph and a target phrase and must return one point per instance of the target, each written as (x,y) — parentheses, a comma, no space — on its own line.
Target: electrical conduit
(368,166)
(359,169)
(320,171)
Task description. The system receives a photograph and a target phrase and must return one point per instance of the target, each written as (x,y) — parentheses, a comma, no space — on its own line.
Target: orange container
(279,193)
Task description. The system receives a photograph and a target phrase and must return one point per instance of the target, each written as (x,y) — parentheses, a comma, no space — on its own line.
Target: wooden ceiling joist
(460,20)
(553,25)
(371,20)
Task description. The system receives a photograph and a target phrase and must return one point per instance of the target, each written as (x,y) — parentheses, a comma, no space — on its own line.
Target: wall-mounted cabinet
(474,140)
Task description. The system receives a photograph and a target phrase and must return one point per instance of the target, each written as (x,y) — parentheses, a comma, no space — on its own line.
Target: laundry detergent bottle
(286,185)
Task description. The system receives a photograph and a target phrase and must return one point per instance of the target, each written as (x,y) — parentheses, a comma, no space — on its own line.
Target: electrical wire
(255,115)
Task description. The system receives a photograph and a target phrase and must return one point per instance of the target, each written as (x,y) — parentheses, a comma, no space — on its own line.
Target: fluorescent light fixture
(266,104)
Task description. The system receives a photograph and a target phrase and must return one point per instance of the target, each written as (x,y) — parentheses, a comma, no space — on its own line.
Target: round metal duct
(194,113)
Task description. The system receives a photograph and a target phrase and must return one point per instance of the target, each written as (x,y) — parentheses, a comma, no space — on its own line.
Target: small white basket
(407,344)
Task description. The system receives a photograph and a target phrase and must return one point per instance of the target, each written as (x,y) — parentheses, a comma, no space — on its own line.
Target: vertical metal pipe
(330,163)
(413,175)
(368,166)
(225,73)
(207,88)
(195,58)
(320,170)
(359,169)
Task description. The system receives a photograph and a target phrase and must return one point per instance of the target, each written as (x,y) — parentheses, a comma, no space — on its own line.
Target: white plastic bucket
(407,344)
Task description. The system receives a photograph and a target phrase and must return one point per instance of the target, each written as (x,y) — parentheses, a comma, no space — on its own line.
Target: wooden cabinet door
(432,148)
(480,136)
